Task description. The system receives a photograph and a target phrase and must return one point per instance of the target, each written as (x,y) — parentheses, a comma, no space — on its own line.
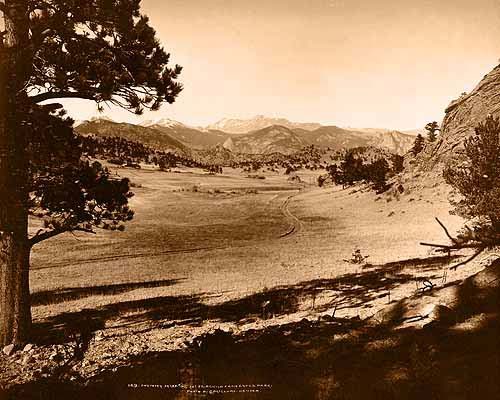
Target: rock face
(462,116)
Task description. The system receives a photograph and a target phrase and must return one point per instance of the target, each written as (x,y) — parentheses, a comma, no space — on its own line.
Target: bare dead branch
(468,260)
(441,246)
(447,247)
(446,231)
(473,243)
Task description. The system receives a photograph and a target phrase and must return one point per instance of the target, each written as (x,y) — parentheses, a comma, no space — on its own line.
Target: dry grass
(221,244)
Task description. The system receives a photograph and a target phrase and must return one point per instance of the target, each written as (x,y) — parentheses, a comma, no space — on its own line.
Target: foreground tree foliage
(66,191)
(477,180)
(100,50)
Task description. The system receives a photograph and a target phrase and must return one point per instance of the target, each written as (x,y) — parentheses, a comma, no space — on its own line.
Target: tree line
(354,169)
(120,151)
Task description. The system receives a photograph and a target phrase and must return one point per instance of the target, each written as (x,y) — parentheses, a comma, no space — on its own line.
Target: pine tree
(432,128)
(352,169)
(99,50)
(377,173)
(397,163)
(418,145)
(335,173)
(478,178)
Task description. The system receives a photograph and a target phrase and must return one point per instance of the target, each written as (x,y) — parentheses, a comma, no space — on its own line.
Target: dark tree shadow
(352,291)
(335,359)
(420,264)
(75,293)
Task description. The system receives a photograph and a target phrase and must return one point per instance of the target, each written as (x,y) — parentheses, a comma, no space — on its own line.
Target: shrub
(357,257)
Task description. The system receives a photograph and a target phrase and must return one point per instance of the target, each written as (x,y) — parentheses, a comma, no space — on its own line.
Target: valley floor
(230,252)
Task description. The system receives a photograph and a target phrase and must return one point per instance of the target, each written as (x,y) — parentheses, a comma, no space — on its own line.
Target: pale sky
(361,63)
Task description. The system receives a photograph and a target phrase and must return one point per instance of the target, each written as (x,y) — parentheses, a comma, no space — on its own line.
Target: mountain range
(146,135)
(241,126)
(272,135)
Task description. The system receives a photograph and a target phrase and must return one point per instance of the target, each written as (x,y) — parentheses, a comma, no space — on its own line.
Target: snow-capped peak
(100,119)
(163,122)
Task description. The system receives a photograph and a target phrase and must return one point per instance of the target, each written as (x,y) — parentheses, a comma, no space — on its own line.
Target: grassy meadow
(238,251)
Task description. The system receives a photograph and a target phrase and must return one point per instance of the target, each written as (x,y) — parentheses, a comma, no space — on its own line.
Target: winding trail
(294,220)
(296,226)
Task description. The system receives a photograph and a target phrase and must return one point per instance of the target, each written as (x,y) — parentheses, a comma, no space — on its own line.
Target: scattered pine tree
(418,145)
(432,128)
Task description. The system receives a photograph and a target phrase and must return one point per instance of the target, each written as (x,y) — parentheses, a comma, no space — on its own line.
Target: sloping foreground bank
(443,344)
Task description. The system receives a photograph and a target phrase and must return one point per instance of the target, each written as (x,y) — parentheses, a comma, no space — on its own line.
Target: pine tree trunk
(15,314)
(15,307)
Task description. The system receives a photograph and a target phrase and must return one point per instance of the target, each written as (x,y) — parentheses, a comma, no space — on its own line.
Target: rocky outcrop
(462,116)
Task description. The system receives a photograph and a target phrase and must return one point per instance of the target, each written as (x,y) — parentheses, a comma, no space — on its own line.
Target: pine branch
(61,95)
(44,235)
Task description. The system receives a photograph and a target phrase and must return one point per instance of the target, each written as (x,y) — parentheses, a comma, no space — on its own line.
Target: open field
(242,279)
(231,251)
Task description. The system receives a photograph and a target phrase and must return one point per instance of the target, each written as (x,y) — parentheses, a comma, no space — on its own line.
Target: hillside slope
(339,138)
(190,136)
(273,139)
(148,136)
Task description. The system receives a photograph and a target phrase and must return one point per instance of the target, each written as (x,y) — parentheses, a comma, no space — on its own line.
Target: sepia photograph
(251,200)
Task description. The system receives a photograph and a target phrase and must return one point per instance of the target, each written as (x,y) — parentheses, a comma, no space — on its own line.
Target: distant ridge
(280,139)
(240,126)
(168,134)
(148,136)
